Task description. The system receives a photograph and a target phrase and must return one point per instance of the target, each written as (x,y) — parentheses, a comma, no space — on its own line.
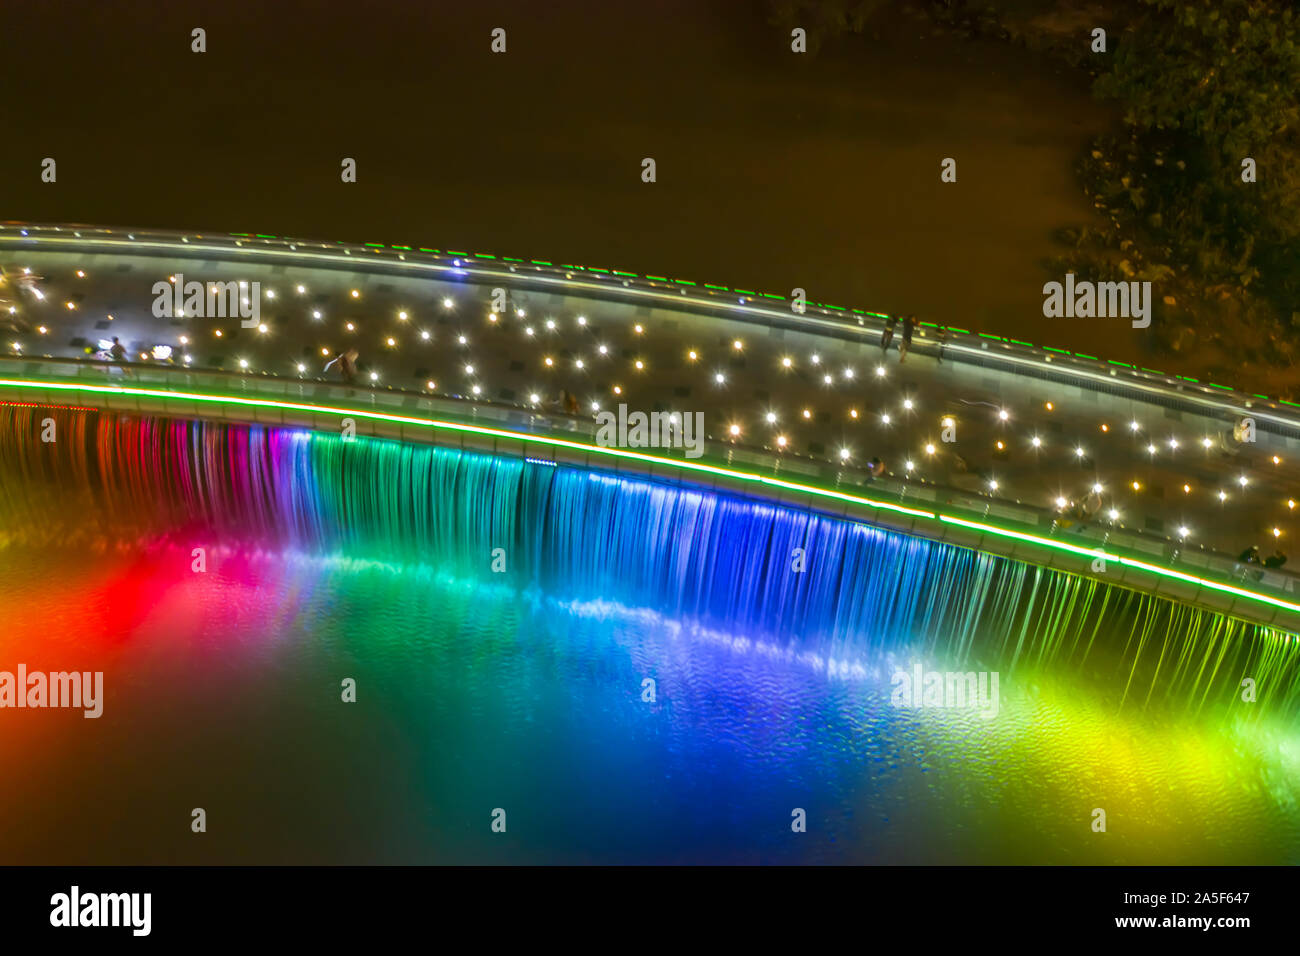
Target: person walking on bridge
(944,335)
(909,328)
(887,333)
(118,354)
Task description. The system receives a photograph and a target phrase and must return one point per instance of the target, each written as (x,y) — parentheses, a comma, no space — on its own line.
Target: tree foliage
(1210,83)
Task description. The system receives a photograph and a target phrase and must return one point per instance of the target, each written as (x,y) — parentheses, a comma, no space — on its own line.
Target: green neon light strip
(539,262)
(403,248)
(630,275)
(594,269)
(1029,345)
(1082,355)
(483,255)
(681,465)
(1057,351)
(660,278)
(1226,388)
(375,245)
(746,292)
(511,259)
(1101,553)
(720,288)
(1031,538)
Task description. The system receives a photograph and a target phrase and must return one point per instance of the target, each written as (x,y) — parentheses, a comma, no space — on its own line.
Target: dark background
(775,170)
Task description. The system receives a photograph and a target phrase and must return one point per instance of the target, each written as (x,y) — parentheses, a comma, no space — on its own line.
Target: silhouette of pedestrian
(944,335)
(909,327)
(887,333)
(118,353)
(1276,560)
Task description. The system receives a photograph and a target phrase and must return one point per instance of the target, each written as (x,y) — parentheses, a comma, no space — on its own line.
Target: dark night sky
(775,170)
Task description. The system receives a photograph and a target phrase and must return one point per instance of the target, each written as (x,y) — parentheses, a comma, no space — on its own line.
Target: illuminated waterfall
(723,562)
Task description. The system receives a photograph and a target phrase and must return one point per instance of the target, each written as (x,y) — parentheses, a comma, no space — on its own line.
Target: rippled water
(223,692)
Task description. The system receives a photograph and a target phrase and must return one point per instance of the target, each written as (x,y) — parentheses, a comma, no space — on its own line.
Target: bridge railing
(974,508)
